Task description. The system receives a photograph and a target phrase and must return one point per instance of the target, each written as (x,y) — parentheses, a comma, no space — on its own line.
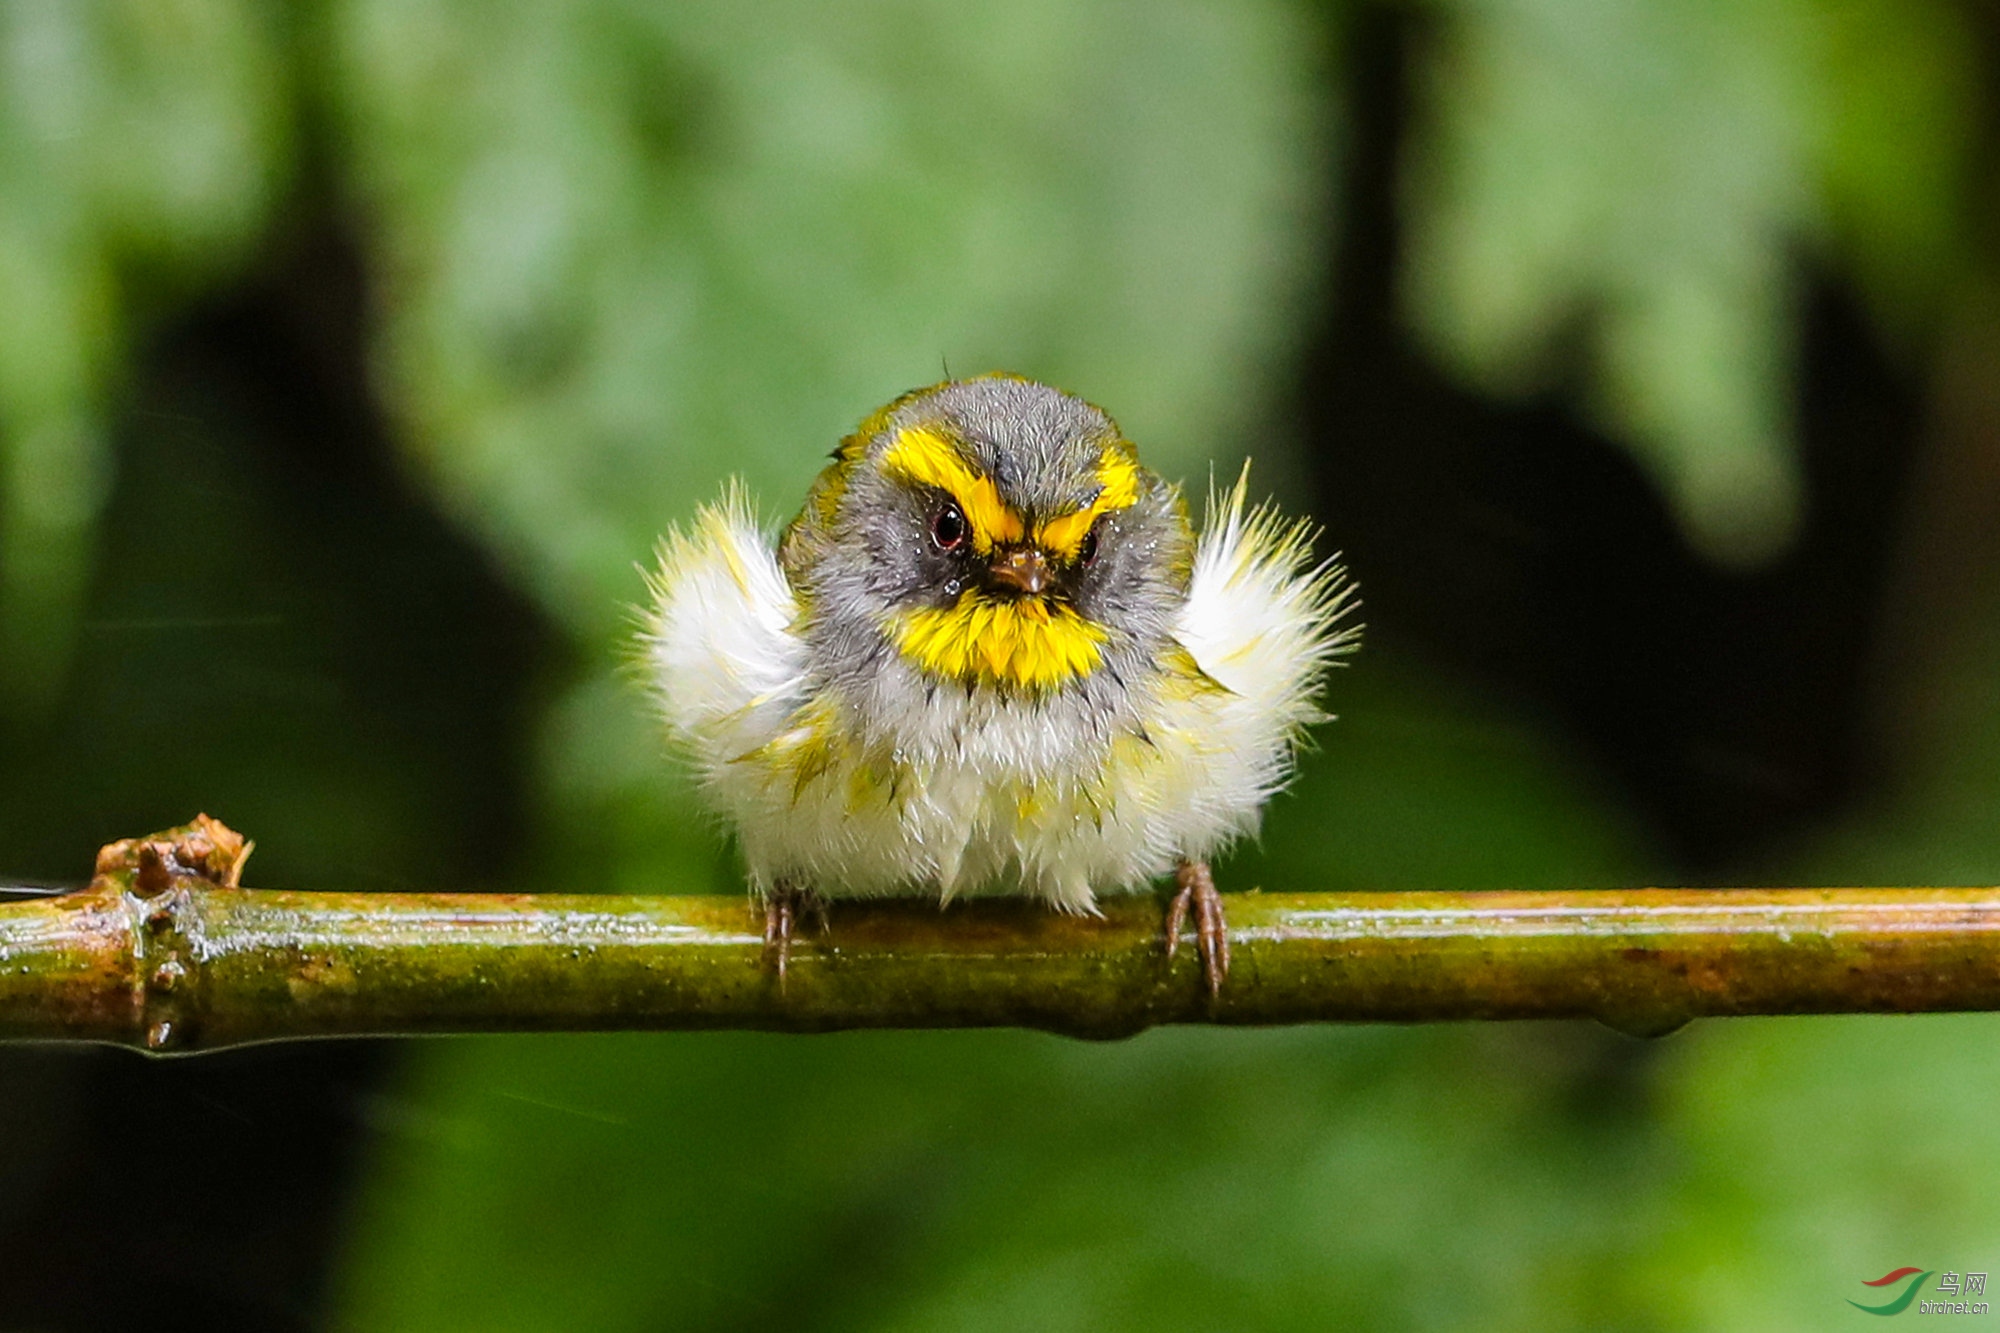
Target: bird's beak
(1022,568)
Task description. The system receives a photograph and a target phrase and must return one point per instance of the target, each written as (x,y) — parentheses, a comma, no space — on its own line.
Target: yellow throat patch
(1027,644)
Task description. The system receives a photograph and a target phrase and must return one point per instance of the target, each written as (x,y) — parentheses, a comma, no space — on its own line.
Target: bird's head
(992,532)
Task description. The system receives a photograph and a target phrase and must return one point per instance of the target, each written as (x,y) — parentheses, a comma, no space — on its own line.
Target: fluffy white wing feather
(719,638)
(1265,627)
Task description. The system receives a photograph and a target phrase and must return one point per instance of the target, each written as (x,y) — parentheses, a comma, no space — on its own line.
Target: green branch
(164,951)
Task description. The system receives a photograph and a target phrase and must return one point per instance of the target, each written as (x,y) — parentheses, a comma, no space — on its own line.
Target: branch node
(153,877)
(163,877)
(205,849)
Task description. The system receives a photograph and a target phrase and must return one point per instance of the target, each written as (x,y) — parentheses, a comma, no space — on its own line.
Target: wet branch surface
(166,952)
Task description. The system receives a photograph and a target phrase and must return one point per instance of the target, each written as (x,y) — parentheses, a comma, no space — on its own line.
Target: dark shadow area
(281,632)
(1520,548)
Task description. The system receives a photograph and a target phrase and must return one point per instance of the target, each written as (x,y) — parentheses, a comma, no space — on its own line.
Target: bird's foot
(784,905)
(1195,890)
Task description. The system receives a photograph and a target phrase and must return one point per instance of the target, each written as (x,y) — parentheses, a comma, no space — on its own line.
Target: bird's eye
(948,528)
(1088,551)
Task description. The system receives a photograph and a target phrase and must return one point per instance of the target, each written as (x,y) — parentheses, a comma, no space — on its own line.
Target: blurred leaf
(634,248)
(1904,104)
(1820,1154)
(617,815)
(138,148)
(1188,1179)
(1630,181)
(1406,797)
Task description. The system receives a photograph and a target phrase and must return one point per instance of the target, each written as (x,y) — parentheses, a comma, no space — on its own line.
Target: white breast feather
(994,794)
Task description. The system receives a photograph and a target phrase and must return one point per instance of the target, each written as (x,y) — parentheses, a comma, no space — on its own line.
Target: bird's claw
(783,906)
(1195,890)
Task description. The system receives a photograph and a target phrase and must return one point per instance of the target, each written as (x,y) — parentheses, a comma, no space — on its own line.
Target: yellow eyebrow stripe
(1119,478)
(924,457)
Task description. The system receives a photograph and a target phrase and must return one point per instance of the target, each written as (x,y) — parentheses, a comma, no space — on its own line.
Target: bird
(991,655)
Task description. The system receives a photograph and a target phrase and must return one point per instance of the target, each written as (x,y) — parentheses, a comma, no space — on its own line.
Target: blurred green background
(1644,358)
